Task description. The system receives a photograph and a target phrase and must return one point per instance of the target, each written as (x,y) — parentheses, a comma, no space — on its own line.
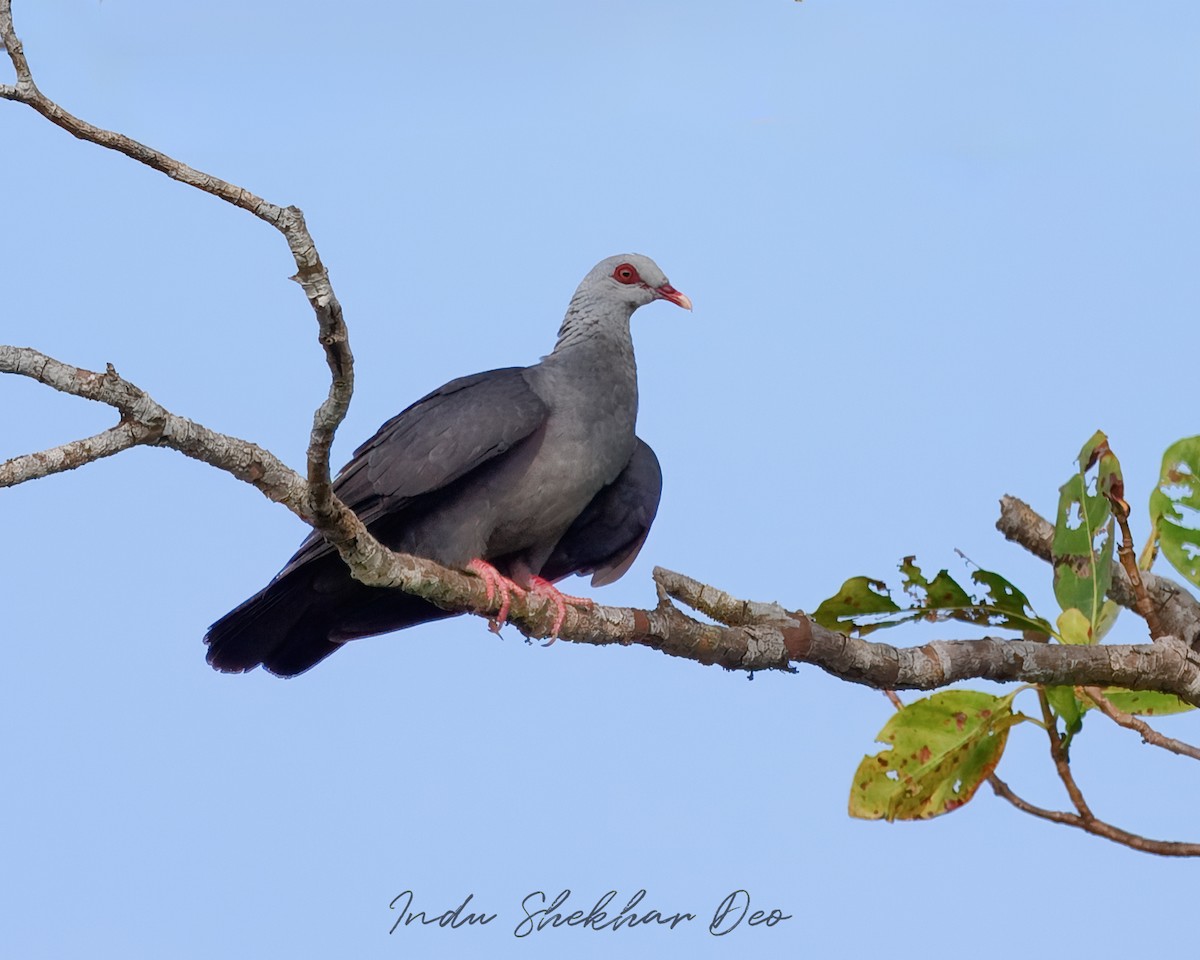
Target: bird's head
(632,279)
(609,294)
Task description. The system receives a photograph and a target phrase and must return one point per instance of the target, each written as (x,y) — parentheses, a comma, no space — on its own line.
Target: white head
(630,278)
(608,295)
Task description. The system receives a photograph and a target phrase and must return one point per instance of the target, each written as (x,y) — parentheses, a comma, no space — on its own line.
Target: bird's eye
(625,273)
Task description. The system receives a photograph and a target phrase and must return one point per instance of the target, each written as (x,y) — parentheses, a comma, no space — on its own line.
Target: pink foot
(548,591)
(496,583)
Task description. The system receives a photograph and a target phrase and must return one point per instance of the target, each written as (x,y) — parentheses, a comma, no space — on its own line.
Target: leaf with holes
(941,749)
(850,609)
(939,593)
(1001,605)
(863,604)
(1175,507)
(1083,532)
(1006,606)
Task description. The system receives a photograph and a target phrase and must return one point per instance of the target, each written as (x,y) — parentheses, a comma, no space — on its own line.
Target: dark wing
(441,437)
(605,538)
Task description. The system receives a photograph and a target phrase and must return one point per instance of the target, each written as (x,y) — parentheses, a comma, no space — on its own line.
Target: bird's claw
(548,591)
(499,585)
(496,583)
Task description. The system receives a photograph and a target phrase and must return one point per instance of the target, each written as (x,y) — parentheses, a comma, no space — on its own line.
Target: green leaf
(1175,507)
(863,604)
(942,748)
(1083,532)
(1146,703)
(860,597)
(1068,707)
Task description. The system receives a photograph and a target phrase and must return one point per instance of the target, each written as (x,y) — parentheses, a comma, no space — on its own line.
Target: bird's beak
(668,292)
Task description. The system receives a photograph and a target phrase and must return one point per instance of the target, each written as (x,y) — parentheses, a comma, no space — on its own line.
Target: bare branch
(16,53)
(152,423)
(1137,724)
(1178,610)
(68,456)
(1165,848)
(310,271)
(721,606)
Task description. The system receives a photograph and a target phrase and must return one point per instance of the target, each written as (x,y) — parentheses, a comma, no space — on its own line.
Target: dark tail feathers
(298,620)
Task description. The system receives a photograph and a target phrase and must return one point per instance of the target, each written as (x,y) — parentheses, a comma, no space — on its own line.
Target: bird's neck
(587,326)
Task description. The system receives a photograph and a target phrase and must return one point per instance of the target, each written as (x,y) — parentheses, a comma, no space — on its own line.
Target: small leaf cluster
(941,748)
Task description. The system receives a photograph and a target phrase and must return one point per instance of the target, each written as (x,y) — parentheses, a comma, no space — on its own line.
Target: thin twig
(1164,848)
(1137,724)
(1129,563)
(1062,762)
(1084,820)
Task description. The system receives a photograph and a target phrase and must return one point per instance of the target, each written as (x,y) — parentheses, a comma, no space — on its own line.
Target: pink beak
(668,292)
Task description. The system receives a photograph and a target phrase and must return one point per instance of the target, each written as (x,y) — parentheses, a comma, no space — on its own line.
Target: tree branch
(795,639)
(146,421)
(1165,848)
(310,271)
(68,456)
(1137,724)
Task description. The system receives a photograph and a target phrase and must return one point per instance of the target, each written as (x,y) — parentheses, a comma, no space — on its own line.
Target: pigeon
(522,475)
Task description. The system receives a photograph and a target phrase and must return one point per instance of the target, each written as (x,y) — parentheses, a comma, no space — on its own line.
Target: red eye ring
(626,273)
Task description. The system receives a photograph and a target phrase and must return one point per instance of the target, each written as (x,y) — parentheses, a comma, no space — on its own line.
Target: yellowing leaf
(1074,627)
(942,749)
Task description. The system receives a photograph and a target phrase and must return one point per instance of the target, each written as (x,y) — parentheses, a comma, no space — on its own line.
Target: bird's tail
(274,628)
(297,620)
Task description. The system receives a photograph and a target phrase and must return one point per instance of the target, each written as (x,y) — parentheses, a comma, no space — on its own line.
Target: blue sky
(932,247)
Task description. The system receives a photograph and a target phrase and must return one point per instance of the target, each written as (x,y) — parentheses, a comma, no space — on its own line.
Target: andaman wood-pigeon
(524,475)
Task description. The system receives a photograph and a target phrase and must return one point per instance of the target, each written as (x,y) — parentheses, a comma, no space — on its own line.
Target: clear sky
(932,247)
